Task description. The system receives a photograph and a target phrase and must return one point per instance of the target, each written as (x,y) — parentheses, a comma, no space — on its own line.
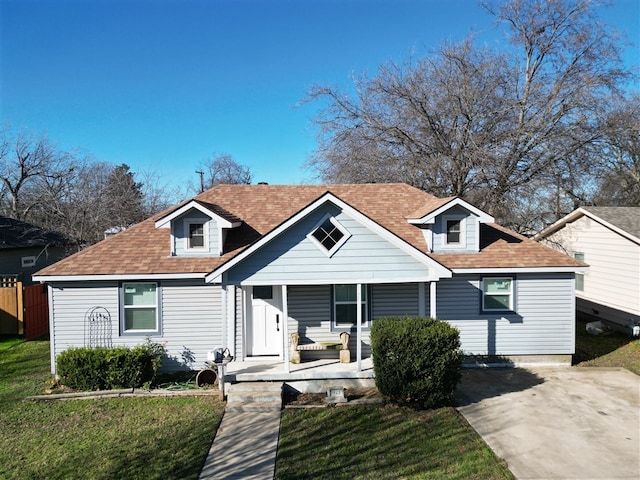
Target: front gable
(329,242)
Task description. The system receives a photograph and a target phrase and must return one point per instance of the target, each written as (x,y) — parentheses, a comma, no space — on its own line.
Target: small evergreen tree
(417,361)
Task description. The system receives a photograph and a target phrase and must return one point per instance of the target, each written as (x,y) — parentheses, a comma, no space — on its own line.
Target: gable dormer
(453,227)
(198,229)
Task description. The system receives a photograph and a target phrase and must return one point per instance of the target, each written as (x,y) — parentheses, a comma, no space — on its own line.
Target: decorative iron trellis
(97,328)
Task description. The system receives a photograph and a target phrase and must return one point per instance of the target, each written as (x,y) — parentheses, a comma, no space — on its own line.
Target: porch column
(359,326)
(225,316)
(432,299)
(285,330)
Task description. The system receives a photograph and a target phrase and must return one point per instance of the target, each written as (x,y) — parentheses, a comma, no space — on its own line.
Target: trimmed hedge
(103,368)
(417,361)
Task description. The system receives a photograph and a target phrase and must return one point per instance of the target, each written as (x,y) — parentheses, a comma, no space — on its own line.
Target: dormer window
(196,239)
(329,235)
(454,231)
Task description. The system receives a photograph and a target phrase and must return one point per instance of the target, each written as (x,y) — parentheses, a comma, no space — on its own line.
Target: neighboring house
(25,249)
(608,239)
(245,266)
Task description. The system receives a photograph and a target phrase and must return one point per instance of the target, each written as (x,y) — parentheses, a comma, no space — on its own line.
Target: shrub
(102,368)
(417,361)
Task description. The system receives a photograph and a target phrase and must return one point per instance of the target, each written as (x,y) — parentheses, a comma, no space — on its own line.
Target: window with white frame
(345,305)
(579,276)
(454,235)
(497,294)
(196,238)
(140,308)
(29,261)
(329,235)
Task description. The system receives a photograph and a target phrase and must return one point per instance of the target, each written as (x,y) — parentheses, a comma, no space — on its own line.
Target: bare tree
(26,163)
(222,168)
(619,184)
(487,125)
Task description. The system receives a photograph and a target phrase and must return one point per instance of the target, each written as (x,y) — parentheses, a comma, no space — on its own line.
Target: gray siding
(191,324)
(543,322)
(394,299)
(310,313)
(294,259)
(471,226)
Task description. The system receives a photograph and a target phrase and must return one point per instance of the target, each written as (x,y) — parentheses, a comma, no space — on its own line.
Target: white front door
(266,321)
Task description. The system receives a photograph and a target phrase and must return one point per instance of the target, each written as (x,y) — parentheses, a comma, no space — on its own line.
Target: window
(329,235)
(345,305)
(579,276)
(454,231)
(196,237)
(28,261)
(263,292)
(497,294)
(140,308)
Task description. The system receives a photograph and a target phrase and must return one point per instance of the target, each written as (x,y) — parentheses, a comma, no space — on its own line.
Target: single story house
(245,266)
(608,239)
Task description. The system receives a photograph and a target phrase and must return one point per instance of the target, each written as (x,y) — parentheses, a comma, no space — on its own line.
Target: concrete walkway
(244,447)
(557,423)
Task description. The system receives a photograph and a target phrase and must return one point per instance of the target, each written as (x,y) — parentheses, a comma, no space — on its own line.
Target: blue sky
(162,84)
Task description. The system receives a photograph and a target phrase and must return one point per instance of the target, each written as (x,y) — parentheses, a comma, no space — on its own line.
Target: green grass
(610,350)
(150,438)
(382,443)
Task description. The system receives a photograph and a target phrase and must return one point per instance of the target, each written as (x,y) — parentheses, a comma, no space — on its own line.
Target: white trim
(433,297)
(111,277)
(123,307)
(225,315)
(462,244)
(165,221)
(350,281)
(334,221)
(489,270)
(285,330)
(571,217)
(436,270)
(429,218)
(359,325)
(511,307)
(28,261)
(205,235)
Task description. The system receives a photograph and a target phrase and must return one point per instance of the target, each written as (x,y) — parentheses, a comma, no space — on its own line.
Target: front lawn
(609,350)
(163,438)
(382,442)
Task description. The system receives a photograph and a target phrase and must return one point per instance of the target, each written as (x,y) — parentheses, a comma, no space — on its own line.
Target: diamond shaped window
(329,234)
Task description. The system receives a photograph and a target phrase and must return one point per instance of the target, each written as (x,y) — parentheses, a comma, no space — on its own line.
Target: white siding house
(608,240)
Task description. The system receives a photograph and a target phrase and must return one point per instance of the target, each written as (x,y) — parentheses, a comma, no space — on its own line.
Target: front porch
(273,369)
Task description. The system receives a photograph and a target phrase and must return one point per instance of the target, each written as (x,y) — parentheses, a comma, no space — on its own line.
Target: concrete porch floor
(272,369)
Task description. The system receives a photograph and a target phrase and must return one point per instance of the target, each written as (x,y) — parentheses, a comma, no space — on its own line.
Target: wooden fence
(23,310)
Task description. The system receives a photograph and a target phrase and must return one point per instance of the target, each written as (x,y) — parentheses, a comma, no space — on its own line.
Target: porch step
(254,397)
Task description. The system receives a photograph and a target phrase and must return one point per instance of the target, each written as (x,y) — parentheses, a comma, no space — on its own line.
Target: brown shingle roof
(144,249)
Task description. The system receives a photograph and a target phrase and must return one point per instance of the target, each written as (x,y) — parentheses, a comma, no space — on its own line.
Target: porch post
(359,326)
(432,299)
(285,330)
(225,318)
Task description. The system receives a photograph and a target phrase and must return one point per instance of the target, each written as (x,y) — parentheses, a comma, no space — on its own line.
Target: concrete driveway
(557,423)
